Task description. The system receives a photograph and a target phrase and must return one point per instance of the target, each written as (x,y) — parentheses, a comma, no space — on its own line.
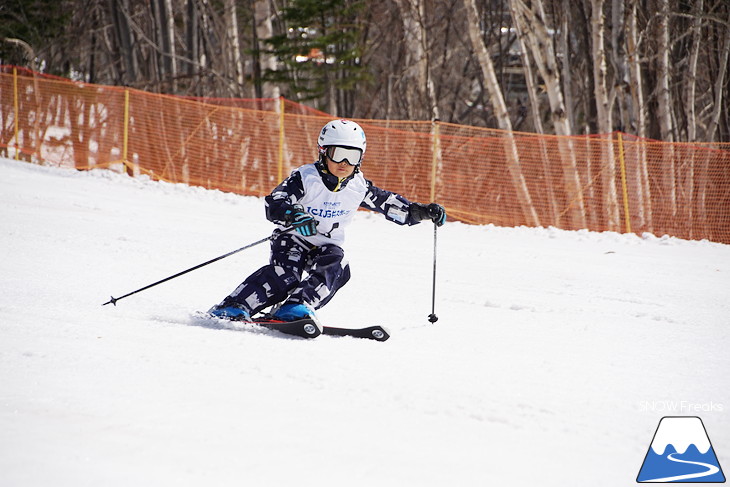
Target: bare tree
(234,46)
(192,38)
(638,117)
(118,11)
(264,60)
(536,36)
(664,104)
(565,73)
(605,118)
(720,81)
(413,15)
(619,61)
(501,113)
(691,79)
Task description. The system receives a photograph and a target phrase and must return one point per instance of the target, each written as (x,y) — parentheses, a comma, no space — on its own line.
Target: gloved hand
(303,222)
(437,214)
(434,212)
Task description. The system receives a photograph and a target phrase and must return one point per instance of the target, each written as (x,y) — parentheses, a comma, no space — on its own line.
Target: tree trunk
(537,37)
(719,83)
(532,90)
(605,119)
(172,53)
(636,89)
(265,62)
(567,77)
(159,37)
(664,110)
(618,59)
(192,41)
(689,181)
(501,113)
(118,10)
(416,41)
(234,46)
(692,72)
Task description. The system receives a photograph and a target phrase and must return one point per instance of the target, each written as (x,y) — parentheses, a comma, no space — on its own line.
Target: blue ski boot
(230,313)
(294,312)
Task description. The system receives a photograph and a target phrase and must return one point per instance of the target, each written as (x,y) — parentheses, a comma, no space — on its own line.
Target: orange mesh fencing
(608,182)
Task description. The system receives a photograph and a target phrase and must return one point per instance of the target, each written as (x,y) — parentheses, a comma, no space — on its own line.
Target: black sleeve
(283,197)
(395,207)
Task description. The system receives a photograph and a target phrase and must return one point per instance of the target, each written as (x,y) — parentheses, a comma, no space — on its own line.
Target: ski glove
(303,222)
(434,212)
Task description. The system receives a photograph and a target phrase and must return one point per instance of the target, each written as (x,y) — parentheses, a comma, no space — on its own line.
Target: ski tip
(379,333)
(312,330)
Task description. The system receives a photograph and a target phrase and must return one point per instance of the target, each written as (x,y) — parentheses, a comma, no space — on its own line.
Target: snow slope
(554,358)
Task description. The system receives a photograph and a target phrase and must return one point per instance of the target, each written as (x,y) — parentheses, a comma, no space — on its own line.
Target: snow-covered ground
(554,358)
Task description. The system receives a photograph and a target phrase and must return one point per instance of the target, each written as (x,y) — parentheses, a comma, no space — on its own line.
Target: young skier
(308,265)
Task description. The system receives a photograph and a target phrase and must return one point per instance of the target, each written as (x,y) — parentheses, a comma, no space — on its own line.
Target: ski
(308,328)
(372,332)
(305,328)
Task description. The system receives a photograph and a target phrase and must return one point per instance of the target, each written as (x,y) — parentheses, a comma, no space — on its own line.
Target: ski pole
(114,300)
(432,317)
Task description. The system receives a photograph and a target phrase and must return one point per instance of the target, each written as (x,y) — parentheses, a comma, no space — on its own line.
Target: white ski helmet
(342,133)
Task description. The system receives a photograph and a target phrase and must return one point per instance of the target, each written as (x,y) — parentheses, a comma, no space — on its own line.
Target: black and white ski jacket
(333,202)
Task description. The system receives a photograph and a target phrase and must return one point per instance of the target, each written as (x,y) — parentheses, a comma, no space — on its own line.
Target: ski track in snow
(546,346)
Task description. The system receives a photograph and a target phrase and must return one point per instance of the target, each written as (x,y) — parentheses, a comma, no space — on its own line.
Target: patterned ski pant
(295,274)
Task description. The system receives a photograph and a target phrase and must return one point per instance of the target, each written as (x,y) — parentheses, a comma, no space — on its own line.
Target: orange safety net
(609,182)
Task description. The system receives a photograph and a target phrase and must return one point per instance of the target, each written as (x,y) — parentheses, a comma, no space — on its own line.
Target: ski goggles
(344,154)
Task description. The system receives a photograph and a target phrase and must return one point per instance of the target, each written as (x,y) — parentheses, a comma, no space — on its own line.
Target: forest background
(651,68)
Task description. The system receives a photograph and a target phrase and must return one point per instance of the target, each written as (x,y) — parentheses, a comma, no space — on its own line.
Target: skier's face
(341,170)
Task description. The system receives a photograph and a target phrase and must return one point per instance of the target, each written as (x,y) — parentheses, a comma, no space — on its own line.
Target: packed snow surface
(554,357)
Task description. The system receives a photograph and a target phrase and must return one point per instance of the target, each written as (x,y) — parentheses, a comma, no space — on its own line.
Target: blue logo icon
(680,452)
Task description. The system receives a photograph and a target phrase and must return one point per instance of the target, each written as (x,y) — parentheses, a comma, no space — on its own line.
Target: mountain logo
(680,452)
